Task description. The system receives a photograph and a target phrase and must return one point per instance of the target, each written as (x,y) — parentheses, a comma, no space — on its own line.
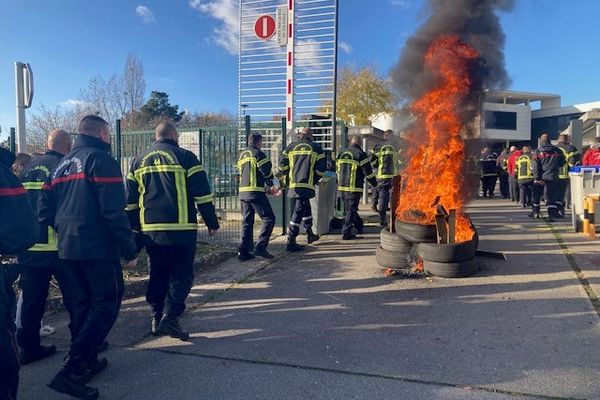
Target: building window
(501,120)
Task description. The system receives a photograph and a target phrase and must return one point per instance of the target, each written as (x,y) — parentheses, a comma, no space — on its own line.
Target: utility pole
(24,95)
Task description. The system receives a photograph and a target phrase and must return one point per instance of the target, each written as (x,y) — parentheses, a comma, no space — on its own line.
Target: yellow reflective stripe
(269,176)
(142,191)
(301,185)
(320,173)
(364,162)
(131,177)
(158,168)
(284,168)
(169,227)
(372,174)
(33,185)
(182,202)
(263,162)
(194,169)
(385,176)
(320,156)
(204,199)
(50,246)
(252,189)
(131,207)
(350,189)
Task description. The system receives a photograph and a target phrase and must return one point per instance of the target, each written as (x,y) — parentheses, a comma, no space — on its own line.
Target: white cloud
(145,14)
(345,47)
(226,11)
(73,103)
(400,3)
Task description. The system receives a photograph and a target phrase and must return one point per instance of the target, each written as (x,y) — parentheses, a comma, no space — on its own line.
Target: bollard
(586,216)
(591,223)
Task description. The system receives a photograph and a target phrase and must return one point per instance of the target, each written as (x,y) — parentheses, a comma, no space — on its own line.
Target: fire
(435,167)
(418,267)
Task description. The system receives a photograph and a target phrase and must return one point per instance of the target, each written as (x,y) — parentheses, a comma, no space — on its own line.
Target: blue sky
(186,46)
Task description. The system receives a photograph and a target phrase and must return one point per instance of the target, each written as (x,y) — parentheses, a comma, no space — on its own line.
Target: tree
(45,120)
(158,108)
(207,119)
(119,95)
(363,94)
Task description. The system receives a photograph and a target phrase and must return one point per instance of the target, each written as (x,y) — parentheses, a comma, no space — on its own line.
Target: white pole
(365,187)
(597,129)
(20,95)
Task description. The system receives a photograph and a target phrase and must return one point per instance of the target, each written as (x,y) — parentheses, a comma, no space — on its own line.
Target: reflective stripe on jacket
(384,160)
(572,157)
(304,164)
(45,251)
(165,186)
(255,172)
(523,167)
(353,167)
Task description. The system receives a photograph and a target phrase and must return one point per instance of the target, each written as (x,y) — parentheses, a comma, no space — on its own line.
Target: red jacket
(591,157)
(512,161)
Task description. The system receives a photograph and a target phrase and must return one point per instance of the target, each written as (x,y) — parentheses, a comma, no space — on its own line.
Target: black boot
(348,236)
(71,380)
(382,219)
(93,367)
(262,252)
(311,236)
(245,256)
(292,246)
(170,326)
(103,347)
(28,356)
(155,321)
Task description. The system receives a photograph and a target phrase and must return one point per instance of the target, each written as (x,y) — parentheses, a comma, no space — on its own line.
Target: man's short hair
(254,138)
(92,125)
(355,139)
(389,132)
(305,131)
(165,130)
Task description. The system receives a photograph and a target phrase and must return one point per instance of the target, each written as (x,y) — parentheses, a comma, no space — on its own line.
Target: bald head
(59,141)
(355,140)
(544,138)
(166,130)
(306,133)
(513,148)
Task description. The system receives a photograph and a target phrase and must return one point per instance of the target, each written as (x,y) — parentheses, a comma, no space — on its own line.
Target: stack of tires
(413,241)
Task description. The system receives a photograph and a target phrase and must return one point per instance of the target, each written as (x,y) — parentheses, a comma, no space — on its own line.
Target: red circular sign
(264,27)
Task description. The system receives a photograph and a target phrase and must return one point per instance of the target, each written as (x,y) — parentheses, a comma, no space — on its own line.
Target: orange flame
(435,167)
(418,267)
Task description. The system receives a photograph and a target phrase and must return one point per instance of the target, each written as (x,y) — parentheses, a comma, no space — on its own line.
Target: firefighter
(524,176)
(84,202)
(546,164)
(512,173)
(573,158)
(165,186)
(353,167)
(40,263)
(384,160)
(303,165)
(255,172)
(489,171)
(18,231)
(502,168)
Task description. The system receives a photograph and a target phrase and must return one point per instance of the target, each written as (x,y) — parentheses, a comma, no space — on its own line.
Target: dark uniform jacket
(304,164)
(488,165)
(85,203)
(166,187)
(18,226)
(572,156)
(502,162)
(353,167)
(255,172)
(36,173)
(546,163)
(384,160)
(523,172)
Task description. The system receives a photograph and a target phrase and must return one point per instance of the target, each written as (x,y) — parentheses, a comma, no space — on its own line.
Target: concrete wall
(523,131)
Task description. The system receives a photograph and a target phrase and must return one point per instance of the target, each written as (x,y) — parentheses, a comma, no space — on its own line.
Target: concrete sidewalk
(326,324)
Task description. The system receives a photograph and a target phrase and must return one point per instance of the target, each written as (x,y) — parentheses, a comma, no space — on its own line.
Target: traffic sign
(265,27)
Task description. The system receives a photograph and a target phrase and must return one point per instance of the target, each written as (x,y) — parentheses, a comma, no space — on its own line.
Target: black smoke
(476,23)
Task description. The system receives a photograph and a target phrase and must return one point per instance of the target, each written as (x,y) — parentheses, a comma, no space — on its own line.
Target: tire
(416,233)
(451,270)
(447,252)
(392,242)
(391,259)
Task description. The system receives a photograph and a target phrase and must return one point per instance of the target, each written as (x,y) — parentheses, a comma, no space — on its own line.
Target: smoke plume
(475,23)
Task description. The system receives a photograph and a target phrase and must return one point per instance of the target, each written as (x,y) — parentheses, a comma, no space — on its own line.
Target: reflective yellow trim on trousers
(204,199)
(33,185)
(50,246)
(349,189)
(169,227)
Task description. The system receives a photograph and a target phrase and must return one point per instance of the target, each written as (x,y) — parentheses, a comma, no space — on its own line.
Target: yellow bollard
(586,216)
(592,225)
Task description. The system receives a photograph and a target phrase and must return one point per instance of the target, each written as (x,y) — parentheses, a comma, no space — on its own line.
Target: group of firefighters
(67,215)
(529,177)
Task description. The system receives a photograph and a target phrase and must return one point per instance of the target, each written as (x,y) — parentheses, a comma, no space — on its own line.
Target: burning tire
(391,259)
(392,242)
(447,252)
(416,233)
(451,270)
